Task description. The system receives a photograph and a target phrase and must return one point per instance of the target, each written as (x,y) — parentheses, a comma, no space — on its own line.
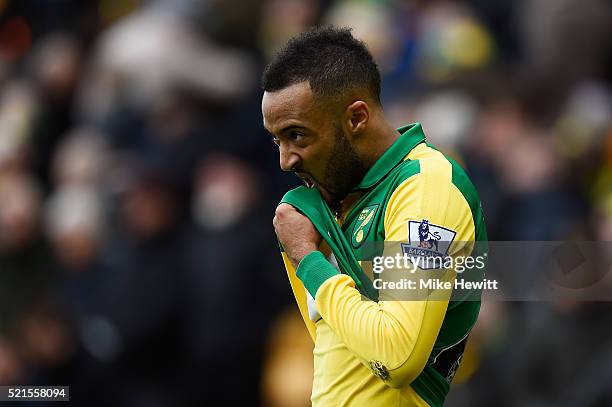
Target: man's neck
(382,137)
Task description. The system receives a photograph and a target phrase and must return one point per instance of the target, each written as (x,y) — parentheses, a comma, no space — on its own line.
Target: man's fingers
(283,210)
(281,214)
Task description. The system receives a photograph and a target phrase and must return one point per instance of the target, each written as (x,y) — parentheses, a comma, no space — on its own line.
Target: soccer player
(321,105)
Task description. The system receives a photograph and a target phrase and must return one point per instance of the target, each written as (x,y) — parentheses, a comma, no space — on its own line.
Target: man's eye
(276,141)
(296,135)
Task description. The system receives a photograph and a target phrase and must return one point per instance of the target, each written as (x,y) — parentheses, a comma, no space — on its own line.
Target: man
(321,105)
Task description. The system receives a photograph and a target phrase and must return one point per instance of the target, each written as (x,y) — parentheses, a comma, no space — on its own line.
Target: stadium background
(137,259)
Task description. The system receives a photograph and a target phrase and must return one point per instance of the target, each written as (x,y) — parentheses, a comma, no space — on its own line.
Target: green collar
(411,135)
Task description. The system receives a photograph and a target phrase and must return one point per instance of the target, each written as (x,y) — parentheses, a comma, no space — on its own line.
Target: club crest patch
(363,224)
(428,243)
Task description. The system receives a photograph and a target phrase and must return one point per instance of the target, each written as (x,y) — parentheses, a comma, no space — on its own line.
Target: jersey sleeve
(394,337)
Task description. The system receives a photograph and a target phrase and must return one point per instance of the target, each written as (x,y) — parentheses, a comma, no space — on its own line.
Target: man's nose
(289,160)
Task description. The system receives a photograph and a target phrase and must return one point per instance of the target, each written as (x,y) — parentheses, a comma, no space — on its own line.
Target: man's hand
(296,233)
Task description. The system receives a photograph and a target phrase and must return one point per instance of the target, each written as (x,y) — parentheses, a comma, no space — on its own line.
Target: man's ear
(357,116)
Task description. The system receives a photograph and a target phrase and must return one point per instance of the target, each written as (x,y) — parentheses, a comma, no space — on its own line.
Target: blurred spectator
(75,226)
(233,288)
(30,318)
(145,256)
(11,368)
(155,51)
(55,65)
(287,381)
(282,19)
(18,108)
(82,159)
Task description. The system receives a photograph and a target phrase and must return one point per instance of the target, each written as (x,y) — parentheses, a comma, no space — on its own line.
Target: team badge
(428,244)
(363,224)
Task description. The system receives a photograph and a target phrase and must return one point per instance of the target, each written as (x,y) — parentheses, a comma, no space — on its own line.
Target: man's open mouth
(308,181)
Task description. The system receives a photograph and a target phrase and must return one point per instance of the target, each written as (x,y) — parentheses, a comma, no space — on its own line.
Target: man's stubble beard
(344,170)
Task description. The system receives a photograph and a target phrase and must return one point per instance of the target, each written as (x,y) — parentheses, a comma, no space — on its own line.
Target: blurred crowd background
(137,186)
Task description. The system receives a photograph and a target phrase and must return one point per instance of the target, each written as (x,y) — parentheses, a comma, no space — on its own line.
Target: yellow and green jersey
(387,351)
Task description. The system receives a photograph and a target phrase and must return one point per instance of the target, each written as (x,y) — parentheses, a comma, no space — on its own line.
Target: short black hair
(330,59)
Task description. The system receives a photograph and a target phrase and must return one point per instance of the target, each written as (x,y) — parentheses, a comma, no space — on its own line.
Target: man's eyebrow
(285,129)
(292,127)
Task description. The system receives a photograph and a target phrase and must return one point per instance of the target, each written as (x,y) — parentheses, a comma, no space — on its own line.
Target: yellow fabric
(400,335)
(299,291)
